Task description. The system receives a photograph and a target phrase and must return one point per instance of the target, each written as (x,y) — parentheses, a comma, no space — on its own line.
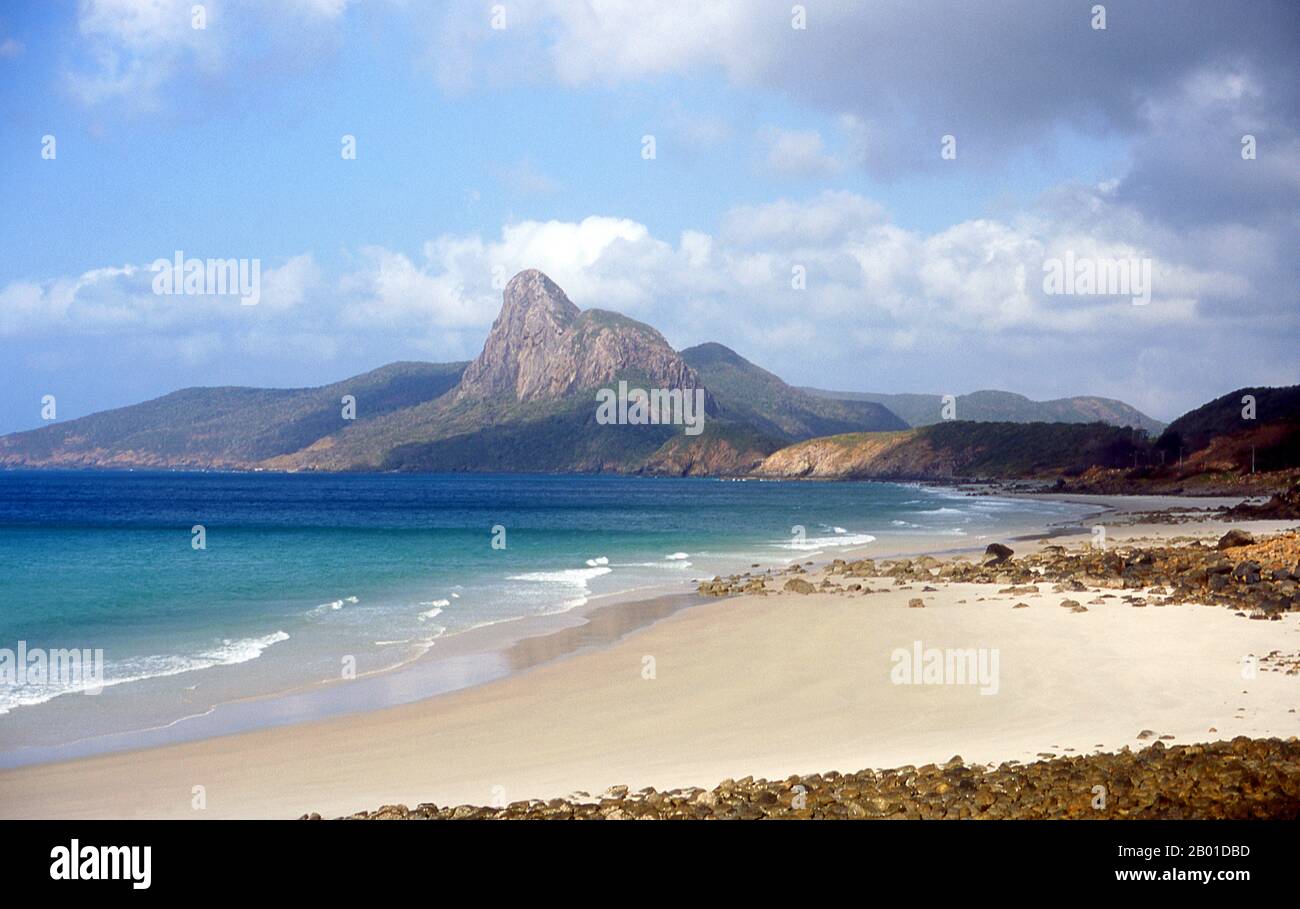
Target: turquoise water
(303,573)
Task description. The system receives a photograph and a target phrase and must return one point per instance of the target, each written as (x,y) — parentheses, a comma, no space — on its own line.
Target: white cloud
(624,39)
(392,293)
(831,215)
(795,153)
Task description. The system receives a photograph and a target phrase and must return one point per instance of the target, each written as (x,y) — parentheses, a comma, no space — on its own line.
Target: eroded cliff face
(861,455)
(542,347)
(525,340)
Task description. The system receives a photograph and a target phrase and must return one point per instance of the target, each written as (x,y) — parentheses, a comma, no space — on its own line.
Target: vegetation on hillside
(1233,428)
(228,426)
(1005,406)
(749,394)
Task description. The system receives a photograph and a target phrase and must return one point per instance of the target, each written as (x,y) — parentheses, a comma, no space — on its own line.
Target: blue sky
(480,150)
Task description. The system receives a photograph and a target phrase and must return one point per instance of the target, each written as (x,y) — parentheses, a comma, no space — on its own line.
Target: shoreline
(479,732)
(485,653)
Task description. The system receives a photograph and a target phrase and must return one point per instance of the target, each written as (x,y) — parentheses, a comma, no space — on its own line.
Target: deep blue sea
(303,572)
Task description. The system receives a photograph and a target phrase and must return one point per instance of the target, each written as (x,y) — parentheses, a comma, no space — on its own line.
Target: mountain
(964,450)
(1005,406)
(230,427)
(749,394)
(529,403)
(526,403)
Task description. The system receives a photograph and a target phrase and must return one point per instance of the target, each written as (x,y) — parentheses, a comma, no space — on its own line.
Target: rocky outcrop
(542,347)
(1244,778)
(1283,505)
(529,332)
(847,456)
(1259,580)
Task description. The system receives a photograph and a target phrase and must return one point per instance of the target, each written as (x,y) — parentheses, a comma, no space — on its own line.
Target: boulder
(996,554)
(1233,538)
(1247,572)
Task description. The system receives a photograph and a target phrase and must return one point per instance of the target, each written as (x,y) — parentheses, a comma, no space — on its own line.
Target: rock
(1283,505)
(996,554)
(915,603)
(1233,538)
(542,346)
(1247,573)
(1242,779)
(799,585)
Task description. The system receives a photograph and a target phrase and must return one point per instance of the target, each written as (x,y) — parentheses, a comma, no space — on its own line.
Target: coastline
(738,688)
(484,653)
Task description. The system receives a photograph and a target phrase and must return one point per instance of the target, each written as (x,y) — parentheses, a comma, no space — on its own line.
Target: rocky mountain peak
(531,298)
(543,347)
(535,314)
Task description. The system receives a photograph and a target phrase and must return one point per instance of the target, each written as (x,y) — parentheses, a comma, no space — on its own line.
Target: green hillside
(747,393)
(1005,406)
(229,426)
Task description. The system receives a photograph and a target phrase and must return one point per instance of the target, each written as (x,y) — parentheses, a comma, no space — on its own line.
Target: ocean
(305,578)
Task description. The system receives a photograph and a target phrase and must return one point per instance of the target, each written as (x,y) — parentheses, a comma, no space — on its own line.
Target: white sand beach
(754,685)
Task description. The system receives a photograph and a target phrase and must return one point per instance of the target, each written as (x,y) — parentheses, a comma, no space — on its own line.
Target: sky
(856,196)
